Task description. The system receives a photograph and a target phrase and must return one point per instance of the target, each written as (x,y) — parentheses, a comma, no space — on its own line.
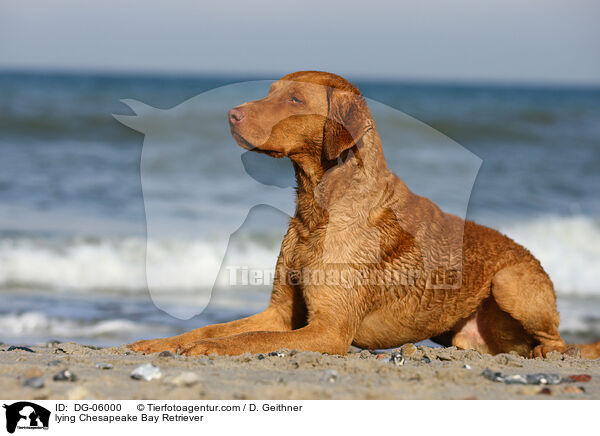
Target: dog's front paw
(155,346)
(544,350)
(199,348)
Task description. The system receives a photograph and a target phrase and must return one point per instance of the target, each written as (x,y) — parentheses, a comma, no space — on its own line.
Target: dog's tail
(589,351)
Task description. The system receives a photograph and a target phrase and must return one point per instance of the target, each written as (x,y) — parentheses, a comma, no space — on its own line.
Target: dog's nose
(235,115)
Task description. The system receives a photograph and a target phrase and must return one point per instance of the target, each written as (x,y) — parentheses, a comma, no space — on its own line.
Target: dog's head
(306,114)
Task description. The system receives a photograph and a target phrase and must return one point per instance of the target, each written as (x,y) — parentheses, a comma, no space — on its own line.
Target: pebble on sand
(146,372)
(34,382)
(165,354)
(518,379)
(330,376)
(104,365)
(582,378)
(396,358)
(17,348)
(64,375)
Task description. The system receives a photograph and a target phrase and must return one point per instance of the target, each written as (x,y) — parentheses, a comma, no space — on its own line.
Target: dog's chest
(346,240)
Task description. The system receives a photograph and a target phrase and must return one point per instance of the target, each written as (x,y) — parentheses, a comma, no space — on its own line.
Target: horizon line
(228,75)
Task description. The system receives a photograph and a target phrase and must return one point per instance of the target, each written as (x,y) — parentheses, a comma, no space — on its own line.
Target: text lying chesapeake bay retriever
(356,221)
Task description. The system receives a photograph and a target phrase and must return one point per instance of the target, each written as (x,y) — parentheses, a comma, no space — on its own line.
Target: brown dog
(367,262)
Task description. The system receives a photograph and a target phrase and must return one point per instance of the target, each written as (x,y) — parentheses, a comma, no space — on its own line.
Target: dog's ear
(348,119)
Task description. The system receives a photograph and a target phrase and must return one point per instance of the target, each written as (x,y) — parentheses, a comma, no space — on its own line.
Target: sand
(427,373)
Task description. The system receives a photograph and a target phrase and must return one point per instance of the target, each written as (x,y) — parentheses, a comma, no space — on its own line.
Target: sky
(532,41)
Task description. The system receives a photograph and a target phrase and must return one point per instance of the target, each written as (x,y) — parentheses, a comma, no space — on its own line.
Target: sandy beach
(426,373)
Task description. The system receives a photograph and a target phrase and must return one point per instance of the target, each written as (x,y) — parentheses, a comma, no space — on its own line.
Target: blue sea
(127,211)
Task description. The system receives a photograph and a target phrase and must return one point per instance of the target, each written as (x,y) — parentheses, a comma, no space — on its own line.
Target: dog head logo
(176,164)
(26,415)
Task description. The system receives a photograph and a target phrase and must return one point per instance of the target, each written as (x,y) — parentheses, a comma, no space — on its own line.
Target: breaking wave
(568,247)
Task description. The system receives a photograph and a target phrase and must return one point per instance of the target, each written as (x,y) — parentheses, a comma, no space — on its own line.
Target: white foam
(567,247)
(34,323)
(119,265)
(78,264)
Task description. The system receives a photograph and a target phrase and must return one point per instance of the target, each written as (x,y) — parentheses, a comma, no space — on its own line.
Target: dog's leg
(334,316)
(321,337)
(526,293)
(286,311)
(269,319)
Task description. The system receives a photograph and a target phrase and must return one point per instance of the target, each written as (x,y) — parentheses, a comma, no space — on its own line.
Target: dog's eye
(295,100)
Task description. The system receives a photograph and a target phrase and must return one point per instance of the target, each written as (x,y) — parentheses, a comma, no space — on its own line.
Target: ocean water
(109,235)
